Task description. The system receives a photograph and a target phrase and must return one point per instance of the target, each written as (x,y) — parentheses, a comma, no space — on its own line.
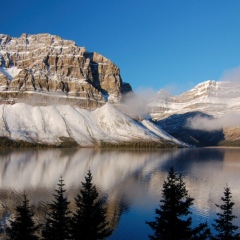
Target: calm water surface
(130,180)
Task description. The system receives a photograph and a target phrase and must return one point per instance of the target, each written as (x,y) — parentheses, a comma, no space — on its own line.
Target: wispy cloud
(232,75)
(137,102)
(204,123)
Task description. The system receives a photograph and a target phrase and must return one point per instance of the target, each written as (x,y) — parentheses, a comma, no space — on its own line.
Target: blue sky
(171,44)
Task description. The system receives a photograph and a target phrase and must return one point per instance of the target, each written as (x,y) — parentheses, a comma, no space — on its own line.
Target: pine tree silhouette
(173,220)
(224,226)
(57,225)
(89,221)
(23,227)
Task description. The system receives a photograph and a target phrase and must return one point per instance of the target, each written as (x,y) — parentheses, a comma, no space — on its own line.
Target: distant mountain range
(208,114)
(53,92)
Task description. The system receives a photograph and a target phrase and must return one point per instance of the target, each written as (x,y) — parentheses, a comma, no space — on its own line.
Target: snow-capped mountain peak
(208,114)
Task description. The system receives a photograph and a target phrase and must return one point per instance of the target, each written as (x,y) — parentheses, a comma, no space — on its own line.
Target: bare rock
(47,63)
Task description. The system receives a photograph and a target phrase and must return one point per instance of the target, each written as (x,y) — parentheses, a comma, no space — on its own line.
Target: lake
(130,180)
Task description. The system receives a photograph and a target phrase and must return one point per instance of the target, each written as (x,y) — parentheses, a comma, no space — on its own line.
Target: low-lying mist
(208,124)
(136,102)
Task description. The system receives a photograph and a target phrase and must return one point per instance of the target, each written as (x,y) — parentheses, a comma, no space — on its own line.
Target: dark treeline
(173,219)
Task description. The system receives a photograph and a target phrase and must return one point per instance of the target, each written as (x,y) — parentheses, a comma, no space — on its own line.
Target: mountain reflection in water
(131,180)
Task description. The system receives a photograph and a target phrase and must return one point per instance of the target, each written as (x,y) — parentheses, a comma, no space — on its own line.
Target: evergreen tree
(201,232)
(58,220)
(224,226)
(23,227)
(89,221)
(173,221)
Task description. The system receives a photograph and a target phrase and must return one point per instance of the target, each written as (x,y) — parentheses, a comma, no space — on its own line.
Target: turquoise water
(131,180)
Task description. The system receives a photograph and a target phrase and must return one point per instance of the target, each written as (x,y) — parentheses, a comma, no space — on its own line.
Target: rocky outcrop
(45,63)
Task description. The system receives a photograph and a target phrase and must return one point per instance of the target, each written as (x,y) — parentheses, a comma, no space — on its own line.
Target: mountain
(208,114)
(54,93)
(67,126)
(45,68)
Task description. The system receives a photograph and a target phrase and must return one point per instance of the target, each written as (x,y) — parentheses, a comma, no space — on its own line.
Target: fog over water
(131,180)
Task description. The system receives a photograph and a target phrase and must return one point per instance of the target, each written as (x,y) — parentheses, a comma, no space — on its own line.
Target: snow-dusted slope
(160,132)
(57,123)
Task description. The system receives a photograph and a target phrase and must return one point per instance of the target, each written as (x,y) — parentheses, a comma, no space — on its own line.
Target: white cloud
(137,102)
(208,124)
(232,75)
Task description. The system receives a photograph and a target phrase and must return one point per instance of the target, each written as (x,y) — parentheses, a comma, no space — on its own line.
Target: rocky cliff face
(52,67)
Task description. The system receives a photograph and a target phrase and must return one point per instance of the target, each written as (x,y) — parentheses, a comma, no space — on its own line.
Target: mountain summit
(210,97)
(208,114)
(54,93)
(48,66)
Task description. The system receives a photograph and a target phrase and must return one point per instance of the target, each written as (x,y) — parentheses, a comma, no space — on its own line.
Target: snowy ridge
(160,132)
(50,124)
(207,115)
(211,97)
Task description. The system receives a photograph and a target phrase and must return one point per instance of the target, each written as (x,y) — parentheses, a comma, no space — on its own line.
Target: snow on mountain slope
(11,72)
(210,97)
(52,124)
(160,132)
(207,115)
(115,123)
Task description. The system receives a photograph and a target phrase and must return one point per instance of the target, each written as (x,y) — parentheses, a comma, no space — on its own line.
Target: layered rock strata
(49,65)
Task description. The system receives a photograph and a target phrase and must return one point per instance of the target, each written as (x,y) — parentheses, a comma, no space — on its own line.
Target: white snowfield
(50,124)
